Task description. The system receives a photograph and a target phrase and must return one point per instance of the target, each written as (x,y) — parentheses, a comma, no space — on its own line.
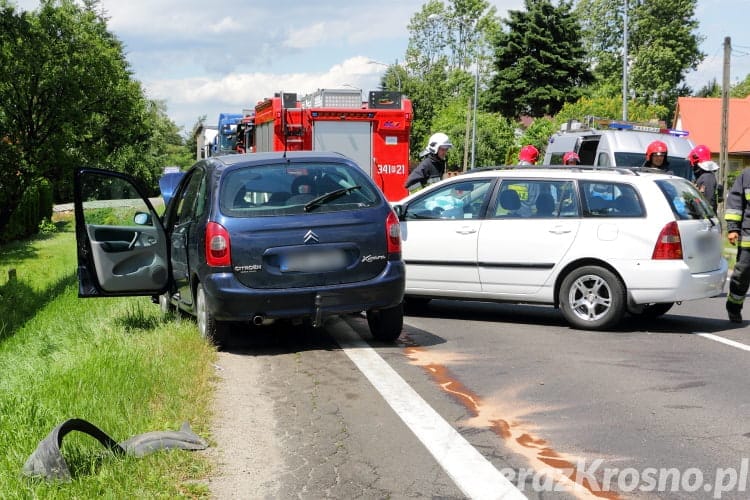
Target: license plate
(329,260)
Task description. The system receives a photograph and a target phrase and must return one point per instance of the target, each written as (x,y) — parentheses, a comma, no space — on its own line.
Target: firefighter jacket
(429,170)
(737,208)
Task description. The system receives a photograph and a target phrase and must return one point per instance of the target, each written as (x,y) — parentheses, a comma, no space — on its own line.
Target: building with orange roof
(701,117)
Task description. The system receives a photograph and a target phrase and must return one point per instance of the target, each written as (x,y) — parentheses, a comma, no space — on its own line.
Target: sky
(204,58)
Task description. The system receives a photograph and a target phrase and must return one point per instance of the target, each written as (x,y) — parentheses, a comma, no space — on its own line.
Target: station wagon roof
(563,171)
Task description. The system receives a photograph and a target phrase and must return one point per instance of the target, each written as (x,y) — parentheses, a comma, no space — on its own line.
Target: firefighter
(432,166)
(705,178)
(656,156)
(528,155)
(571,158)
(737,216)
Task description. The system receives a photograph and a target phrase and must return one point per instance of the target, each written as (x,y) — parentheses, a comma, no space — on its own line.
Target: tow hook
(318,313)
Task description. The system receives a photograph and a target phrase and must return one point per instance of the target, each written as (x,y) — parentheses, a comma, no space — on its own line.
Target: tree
(665,48)
(445,41)
(608,107)
(662,47)
(67,98)
(741,89)
(539,61)
(711,89)
(537,134)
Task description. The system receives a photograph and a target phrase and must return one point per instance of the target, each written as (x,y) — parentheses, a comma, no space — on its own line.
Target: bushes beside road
(114,362)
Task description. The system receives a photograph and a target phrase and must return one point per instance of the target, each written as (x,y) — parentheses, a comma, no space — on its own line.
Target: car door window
(611,199)
(535,198)
(462,199)
(188,202)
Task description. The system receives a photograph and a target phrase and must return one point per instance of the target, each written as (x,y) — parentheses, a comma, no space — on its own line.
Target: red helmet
(655,147)
(699,154)
(571,156)
(528,153)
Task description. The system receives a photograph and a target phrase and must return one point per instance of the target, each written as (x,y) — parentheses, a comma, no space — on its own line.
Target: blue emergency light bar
(646,128)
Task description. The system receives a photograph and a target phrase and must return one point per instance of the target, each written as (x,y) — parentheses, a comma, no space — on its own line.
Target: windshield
(284,189)
(678,166)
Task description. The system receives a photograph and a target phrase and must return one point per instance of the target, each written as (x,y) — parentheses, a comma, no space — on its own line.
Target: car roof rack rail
(619,170)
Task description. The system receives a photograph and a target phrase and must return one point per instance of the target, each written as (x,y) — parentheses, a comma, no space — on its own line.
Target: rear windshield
(686,202)
(284,189)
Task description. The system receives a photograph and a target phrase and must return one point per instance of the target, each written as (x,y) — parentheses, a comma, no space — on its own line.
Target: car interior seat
(239,199)
(278,198)
(510,201)
(545,205)
(302,190)
(627,205)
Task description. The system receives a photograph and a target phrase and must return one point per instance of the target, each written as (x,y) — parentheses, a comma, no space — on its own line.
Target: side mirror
(142,219)
(400,211)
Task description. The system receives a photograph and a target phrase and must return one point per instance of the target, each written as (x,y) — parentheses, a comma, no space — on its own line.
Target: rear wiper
(325,198)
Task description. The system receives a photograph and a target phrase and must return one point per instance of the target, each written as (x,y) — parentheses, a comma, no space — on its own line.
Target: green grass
(115,362)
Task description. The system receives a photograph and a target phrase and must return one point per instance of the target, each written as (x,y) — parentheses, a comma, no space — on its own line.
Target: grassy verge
(114,362)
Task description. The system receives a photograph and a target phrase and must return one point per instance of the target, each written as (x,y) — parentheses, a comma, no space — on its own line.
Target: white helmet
(438,140)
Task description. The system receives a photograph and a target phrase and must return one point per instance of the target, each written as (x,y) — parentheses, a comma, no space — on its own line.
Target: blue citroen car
(251,238)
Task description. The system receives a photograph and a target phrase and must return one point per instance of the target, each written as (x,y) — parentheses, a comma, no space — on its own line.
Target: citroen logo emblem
(310,237)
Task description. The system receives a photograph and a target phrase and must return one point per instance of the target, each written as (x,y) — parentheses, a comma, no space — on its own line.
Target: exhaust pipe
(318,316)
(258,319)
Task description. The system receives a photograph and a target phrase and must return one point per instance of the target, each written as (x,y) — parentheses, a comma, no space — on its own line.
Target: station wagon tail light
(393,233)
(217,245)
(669,243)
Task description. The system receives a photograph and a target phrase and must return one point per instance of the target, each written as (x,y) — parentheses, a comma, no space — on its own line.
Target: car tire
(165,304)
(592,298)
(652,310)
(386,324)
(208,326)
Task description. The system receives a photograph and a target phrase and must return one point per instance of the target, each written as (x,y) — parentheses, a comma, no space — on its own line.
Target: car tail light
(217,245)
(393,233)
(669,243)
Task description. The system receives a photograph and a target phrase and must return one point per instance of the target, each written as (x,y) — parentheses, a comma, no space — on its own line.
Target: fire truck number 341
(399,169)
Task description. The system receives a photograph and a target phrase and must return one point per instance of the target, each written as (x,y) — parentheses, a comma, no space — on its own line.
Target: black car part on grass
(47,461)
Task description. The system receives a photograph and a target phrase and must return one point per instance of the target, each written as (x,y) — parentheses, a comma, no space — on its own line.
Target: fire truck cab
(373,133)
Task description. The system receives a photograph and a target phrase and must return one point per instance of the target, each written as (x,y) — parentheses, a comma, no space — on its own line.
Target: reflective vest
(737,208)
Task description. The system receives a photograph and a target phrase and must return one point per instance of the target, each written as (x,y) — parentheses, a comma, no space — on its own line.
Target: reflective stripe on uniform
(733,215)
(735,299)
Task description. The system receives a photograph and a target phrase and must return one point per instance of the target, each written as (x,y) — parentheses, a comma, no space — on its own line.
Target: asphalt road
(475,391)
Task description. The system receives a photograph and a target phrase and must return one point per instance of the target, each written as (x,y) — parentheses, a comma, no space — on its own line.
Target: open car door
(121,242)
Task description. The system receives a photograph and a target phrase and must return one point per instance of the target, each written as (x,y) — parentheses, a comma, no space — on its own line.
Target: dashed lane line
(472,473)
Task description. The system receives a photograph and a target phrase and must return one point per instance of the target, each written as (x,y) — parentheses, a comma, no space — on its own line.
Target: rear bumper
(230,300)
(671,281)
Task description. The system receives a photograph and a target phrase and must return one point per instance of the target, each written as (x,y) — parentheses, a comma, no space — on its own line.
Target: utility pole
(474,119)
(466,136)
(625,63)
(723,154)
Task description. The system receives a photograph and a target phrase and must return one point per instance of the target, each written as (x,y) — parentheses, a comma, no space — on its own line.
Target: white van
(609,143)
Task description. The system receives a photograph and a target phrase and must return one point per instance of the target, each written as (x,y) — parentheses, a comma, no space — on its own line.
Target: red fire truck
(373,133)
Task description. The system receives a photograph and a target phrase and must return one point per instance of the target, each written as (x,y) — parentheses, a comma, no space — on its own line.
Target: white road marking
(473,474)
(728,342)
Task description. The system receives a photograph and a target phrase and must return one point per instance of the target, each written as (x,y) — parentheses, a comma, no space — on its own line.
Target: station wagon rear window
(285,189)
(685,200)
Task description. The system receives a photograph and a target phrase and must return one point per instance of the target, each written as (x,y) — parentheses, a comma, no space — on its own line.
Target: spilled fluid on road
(505,420)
